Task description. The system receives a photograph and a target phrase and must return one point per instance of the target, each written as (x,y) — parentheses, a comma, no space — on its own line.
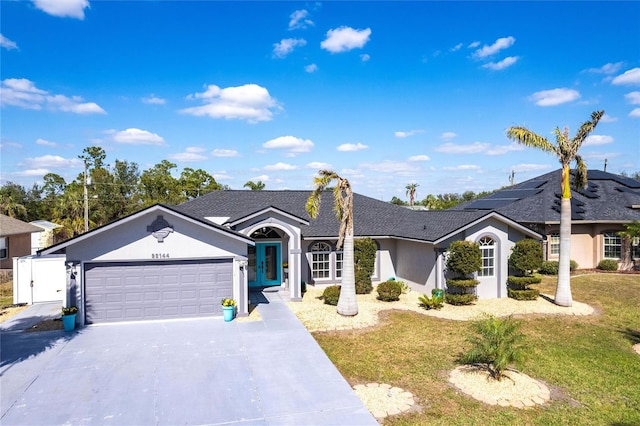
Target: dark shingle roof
(371,217)
(608,197)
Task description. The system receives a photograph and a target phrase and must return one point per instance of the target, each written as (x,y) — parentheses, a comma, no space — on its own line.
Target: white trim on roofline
(490,215)
(133,216)
(269,210)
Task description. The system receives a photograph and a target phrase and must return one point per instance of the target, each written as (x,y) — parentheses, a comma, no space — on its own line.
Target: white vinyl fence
(39,279)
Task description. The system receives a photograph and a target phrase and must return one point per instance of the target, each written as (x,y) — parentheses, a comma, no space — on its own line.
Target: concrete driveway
(205,371)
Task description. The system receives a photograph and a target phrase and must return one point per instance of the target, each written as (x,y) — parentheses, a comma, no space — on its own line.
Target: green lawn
(587,362)
(6,293)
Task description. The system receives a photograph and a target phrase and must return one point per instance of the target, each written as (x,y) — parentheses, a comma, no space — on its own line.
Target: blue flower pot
(228,312)
(69,322)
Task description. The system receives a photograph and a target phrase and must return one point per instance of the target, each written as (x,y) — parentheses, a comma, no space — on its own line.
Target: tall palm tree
(411,192)
(566,149)
(343,206)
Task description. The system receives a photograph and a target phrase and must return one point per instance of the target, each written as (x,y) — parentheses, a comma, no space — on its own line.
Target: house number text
(159,255)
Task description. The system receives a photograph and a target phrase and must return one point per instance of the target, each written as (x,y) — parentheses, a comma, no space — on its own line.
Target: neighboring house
(15,240)
(172,262)
(46,237)
(599,212)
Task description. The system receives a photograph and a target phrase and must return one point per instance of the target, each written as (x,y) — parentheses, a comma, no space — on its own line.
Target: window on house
(488,250)
(612,245)
(554,244)
(635,248)
(3,248)
(320,260)
(338,264)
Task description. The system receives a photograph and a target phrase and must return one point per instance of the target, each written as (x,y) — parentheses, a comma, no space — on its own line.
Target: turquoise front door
(264,265)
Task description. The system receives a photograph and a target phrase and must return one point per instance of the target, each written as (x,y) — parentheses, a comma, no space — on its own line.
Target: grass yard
(6,293)
(587,361)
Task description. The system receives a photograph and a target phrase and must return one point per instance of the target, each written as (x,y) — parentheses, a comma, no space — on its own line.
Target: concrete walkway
(205,371)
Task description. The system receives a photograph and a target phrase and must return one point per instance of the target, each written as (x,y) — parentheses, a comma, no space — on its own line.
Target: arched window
(488,251)
(320,260)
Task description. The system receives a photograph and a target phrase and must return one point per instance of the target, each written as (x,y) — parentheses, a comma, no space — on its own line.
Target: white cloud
(400,168)
(291,144)
(249,102)
(311,68)
(63,8)
(631,76)
(343,39)
(280,167)
(403,134)
(633,98)
(263,178)
(419,158)
(456,47)
(505,63)
(221,175)
(593,140)
(473,45)
(448,136)
(606,118)
(135,136)
(635,113)
(154,100)
(554,96)
(299,20)
(365,57)
(452,148)
(503,149)
(350,147)
(32,172)
(7,44)
(45,142)
(319,166)
(52,162)
(610,68)
(23,93)
(461,167)
(600,156)
(286,46)
(498,45)
(523,168)
(190,154)
(225,153)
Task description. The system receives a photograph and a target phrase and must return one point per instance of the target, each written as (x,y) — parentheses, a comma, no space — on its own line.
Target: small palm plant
(498,343)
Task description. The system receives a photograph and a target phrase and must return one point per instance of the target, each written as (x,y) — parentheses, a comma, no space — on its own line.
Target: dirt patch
(46,325)
(7,312)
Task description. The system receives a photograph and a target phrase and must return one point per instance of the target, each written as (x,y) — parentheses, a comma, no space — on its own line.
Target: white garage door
(131,291)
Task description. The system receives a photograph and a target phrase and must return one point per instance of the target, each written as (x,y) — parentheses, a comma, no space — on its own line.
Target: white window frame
(611,241)
(339,256)
(554,244)
(488,252)
(635,248)
(320,258)
(4,247)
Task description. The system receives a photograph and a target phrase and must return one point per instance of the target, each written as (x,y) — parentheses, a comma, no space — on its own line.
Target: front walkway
(204,371)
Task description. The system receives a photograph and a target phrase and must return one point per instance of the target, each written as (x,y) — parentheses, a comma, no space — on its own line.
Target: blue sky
(384,93)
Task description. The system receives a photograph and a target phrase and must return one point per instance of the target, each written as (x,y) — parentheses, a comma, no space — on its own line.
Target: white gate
(39,279)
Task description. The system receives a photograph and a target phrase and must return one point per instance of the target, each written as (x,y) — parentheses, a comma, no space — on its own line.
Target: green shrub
(404,286)
(608,265)
(460,299)
(550,267)
(331,294)
(497,343)
(462,282)
(526,256)
(389,291)
(464,257)
(364,259)
(521,283)
(523,294)
(435,302)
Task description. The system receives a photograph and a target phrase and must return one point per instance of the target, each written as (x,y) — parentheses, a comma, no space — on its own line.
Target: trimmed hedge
(608,265)
(331,294)
(389,291)
(521,283)
(462,282)
(364,259)
(460,299)
(464,257)
(523,294)
(550,267)
(526,256)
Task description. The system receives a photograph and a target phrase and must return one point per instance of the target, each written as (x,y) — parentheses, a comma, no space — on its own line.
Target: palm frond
(528,138)
(580,177)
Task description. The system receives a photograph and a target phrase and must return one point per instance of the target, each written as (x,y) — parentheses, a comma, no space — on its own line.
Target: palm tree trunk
(563,289)
(347,303)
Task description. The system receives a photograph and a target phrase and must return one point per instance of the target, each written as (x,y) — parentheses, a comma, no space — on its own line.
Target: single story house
(174,262)
(15,240)
(598,213)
